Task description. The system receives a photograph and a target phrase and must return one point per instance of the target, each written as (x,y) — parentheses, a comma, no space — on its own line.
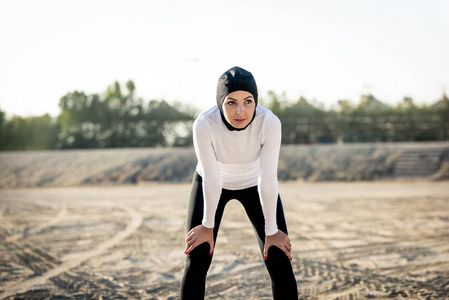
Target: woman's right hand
(198,235)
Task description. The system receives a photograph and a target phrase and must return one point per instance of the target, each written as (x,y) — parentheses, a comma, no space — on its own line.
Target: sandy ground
(351,241)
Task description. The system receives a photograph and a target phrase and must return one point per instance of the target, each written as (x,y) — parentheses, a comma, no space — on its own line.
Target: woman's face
(238,108)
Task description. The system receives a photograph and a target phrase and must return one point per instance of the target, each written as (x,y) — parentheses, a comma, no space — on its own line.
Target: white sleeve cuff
(271,231)
(208,224)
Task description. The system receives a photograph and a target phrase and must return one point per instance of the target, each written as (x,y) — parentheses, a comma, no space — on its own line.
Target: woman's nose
(240,109)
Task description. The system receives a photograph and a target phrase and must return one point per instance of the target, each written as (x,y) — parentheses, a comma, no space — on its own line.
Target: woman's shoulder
(267,116)
(208,113)
(265,112)
(207,117)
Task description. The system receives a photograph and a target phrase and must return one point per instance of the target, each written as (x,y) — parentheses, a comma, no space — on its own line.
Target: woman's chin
(239,125)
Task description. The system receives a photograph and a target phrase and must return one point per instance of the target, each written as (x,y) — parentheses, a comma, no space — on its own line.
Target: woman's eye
(230,103)
(248,101)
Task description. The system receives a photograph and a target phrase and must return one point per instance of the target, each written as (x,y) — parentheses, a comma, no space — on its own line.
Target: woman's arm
(268,180)
(212,180)
(212,185)
(269,188)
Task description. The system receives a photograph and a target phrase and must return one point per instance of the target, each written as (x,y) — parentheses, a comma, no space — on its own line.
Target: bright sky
(176,49)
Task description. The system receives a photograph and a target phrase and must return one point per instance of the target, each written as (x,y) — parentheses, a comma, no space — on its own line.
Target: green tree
(30,133)
(117,120)
(5,131)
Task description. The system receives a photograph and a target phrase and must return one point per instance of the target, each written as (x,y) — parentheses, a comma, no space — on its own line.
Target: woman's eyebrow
(230,98)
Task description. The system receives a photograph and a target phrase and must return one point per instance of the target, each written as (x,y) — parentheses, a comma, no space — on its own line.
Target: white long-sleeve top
(236,160)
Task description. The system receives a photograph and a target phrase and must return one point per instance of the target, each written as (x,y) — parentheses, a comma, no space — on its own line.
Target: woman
(237,145)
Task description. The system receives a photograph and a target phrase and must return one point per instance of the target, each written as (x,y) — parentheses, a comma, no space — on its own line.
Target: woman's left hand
(280,240)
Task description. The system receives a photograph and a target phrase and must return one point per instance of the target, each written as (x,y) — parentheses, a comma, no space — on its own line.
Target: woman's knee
(199,259)
(277,260)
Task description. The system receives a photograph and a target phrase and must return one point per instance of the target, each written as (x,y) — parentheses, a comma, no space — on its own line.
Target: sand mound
(95,167)
(349,162)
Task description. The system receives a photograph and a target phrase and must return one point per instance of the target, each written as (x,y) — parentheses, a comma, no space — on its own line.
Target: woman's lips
(240,121)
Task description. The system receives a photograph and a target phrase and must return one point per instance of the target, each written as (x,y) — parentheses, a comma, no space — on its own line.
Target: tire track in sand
(36,229)
(134,223)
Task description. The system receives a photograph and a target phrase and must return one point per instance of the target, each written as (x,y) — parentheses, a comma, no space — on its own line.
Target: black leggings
(198,261)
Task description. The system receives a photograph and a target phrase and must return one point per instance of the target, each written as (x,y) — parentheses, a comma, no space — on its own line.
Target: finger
(193,246)
(265,253)
(190,237)
(187,248)
(288,247)
(285,250)
(288,253)
(189,243)
(211,248)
